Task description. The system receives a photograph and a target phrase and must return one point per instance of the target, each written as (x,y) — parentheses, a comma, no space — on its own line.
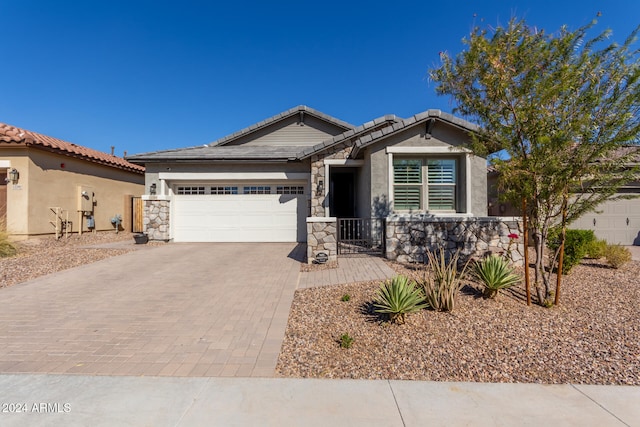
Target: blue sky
(152,75)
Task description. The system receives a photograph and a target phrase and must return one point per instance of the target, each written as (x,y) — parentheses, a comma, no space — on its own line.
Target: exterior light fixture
(320,187)
(14,175)
(152,189)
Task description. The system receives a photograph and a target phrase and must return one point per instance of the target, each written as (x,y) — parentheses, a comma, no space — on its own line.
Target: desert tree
(563,109)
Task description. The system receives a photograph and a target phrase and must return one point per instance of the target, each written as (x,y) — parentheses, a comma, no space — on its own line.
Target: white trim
(244,176)
(5,163)
(321,219)
(390,180)
(326,190)
(427,150)
(154,197)
(343,162)
(467,165)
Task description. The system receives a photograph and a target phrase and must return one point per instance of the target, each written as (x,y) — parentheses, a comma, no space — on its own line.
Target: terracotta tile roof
(14,135)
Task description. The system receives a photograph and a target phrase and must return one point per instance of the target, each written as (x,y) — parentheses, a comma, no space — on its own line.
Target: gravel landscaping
(44,255)
(592,337)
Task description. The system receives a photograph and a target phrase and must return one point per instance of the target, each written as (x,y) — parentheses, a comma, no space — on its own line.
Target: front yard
(592,337)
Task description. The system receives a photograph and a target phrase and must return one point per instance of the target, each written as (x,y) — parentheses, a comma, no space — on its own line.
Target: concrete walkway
(73,400)
(350,270)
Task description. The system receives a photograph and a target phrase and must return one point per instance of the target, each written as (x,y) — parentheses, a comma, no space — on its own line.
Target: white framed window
(191,190)
(289,189)
(407,184)
(224,190)
(258,189)
(425,184)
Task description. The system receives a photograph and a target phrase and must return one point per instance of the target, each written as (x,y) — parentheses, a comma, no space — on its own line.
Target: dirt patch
(45,255)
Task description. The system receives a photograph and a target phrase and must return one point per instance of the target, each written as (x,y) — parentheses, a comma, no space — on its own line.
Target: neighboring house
(616,221)
(289,177)
(56,185)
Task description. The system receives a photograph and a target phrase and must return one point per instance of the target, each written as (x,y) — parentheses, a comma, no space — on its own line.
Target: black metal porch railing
(361,236)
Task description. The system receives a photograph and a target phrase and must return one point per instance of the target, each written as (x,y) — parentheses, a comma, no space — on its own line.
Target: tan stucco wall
(45,183)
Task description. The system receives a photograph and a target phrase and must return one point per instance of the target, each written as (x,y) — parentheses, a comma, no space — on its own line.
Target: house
(54,186)
(617,221)
(294,176)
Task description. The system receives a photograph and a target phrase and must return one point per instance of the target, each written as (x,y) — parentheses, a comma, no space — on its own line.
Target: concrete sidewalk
(73,400)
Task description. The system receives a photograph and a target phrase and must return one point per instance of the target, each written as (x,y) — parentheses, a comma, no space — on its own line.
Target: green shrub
(575,246)
(596,249)
(345,298)
(443,282)
(346,341)
(397,297)
(7,248)
(495,273)
(617,255)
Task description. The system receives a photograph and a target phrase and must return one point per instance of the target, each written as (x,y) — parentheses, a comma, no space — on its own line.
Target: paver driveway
(178,309)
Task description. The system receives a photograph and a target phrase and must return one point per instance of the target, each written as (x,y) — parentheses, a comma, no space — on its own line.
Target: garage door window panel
(257,190)
(191,190)
(224,190)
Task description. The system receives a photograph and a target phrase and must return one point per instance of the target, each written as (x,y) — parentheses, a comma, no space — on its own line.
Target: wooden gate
(137,213)
(361,236)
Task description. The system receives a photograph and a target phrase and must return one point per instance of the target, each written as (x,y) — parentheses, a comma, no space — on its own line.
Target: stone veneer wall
(408,237)
(322,237)
(156,219)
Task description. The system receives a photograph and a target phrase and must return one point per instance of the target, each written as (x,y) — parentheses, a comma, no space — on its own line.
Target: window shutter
(442,184)
(407,179)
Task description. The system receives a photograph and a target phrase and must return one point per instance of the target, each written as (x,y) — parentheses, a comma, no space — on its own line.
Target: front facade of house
(49,184)
(289,177)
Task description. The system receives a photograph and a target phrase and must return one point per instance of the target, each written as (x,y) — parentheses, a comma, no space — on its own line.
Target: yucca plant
(398,297)
(444,280)
(495,273)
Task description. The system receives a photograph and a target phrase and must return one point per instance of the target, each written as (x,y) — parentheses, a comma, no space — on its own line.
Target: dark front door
(342,194)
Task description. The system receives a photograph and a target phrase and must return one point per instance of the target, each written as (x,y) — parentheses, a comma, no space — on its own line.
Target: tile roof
(14,135)
(235,152)
(281,116)
(413,120)
(351,133)
(364,135)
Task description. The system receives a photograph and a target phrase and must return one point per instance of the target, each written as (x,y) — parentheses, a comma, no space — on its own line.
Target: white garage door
(619,222)
(239,213)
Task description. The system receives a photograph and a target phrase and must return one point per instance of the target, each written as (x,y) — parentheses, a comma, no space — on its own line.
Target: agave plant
(397,297)
(442,284)
(495,273)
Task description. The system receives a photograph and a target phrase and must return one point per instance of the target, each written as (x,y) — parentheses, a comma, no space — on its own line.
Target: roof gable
(21,137)
(301,125)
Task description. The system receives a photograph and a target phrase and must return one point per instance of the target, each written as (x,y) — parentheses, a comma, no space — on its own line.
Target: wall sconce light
(152,189)
(320,188)
(14,175)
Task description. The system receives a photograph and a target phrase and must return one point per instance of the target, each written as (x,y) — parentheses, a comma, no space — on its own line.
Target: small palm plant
(495,273)
(442,284)
(397,297)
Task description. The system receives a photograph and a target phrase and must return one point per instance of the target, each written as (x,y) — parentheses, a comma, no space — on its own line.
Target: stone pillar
(156,219)
(322,237)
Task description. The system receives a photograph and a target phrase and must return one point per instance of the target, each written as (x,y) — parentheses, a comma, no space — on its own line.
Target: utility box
(85,198)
